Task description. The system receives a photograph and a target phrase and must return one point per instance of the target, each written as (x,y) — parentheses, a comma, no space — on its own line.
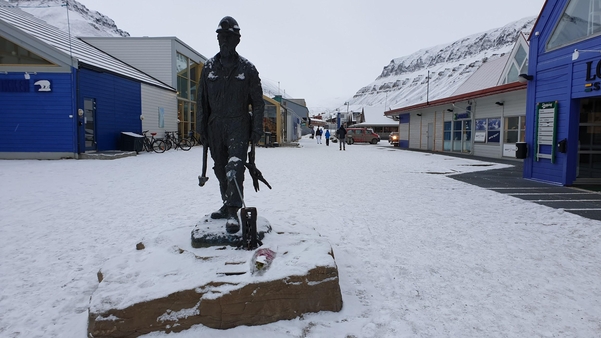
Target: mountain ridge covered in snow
(404,81)
(79,21)
(426,75)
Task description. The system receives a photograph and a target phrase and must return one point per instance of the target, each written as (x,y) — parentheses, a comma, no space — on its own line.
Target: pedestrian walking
(327,134)
(318,135)
(341,134)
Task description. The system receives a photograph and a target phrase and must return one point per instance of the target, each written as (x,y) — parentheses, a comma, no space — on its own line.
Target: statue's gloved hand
(256,136)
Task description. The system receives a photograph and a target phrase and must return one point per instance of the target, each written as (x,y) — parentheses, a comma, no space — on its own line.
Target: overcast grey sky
(319,50)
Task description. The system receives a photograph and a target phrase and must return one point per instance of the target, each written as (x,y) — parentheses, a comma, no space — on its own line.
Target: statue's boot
(220,214)
(232,225)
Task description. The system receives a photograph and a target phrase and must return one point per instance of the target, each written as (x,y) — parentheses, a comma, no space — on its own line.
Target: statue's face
(227,43)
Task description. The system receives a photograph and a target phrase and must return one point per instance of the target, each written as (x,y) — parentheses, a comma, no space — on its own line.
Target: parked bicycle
(193,139)
(176,141)
(150,143)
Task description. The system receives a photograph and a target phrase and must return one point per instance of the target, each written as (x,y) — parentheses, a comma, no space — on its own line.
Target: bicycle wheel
(158,146)
(185,144)
(168,144)
(146,145)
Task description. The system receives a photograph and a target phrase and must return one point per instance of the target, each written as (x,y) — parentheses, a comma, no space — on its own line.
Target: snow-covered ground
(419,254)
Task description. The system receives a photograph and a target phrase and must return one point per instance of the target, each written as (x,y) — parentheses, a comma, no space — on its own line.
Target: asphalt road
(580,200)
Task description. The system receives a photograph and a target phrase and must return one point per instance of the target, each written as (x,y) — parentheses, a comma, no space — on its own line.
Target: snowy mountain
(85,22)
(404,81)
(80,20)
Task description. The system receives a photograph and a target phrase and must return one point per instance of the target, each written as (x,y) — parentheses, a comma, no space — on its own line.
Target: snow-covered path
(419,254)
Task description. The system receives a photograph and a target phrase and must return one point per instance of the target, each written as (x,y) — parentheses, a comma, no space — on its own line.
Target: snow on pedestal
(169,286)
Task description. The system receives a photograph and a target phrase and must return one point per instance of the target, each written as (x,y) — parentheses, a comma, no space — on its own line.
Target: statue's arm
(202,108)
(258,105)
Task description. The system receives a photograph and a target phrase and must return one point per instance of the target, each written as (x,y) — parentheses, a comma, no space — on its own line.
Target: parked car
(361,135)
(393,138)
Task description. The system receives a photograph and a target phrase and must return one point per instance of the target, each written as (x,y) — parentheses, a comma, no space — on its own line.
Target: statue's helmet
(228,24)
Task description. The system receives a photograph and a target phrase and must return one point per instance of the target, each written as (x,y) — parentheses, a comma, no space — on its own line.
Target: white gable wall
(152,99)
(153,56)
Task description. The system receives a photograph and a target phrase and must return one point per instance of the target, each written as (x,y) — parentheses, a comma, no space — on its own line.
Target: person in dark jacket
(228,85)
(341,135)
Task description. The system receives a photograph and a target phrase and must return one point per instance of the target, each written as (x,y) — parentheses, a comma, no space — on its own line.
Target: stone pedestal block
(169,286)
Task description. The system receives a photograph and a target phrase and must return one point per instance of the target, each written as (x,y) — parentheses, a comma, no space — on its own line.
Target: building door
(89,122)
(589,141)
(462,136)
(430,136)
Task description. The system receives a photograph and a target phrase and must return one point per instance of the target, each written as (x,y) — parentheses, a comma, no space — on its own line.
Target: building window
(488,130)
(270,118)
(493,134)
(518,64)
(13,54)
(188,74)
(515,129)
(447,136)
(580,20)
(183,86)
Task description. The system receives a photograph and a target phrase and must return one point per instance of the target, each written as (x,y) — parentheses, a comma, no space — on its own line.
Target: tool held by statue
(202,179)
(248,217)
(253,171)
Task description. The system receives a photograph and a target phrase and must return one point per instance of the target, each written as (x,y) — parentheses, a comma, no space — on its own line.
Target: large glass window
(518,64)
(580,20)
(589,139)
(183,86)
(270,118)
(188,75)
(515,129)
(194,78)
(447,136)
(13,54)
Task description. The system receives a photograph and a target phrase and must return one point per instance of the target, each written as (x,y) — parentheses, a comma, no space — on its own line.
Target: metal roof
(485,77)
(79,50)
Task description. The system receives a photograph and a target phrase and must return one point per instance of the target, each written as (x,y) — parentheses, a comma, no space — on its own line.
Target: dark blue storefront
(74,113)
(36,120)
(563,127)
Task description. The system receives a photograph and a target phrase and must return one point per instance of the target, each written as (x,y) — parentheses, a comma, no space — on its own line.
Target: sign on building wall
(161,117)
(14,86)
(546,117)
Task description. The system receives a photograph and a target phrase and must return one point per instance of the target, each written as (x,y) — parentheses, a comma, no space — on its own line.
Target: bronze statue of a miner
(229,116)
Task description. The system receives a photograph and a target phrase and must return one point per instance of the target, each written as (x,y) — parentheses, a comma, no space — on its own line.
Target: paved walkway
(510,181)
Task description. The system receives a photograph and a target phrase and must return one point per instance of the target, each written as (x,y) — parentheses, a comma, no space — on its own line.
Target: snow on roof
(69,45)
(486,76)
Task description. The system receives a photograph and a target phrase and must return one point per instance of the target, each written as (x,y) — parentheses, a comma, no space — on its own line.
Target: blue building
(563,127)
(61,97)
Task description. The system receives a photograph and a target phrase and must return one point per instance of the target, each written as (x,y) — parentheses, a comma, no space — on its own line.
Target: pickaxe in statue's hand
(253,171)
(203,178)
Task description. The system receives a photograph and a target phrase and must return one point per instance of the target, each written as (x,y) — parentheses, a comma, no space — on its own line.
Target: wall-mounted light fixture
(500,103)
(419,114)
(450,110)
(577,52)
(524,78)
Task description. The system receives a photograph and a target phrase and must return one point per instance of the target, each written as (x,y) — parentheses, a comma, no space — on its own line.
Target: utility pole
(428,89)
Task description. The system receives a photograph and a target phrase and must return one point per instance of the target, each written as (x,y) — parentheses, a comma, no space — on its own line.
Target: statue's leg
(219,154)
(237,146)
